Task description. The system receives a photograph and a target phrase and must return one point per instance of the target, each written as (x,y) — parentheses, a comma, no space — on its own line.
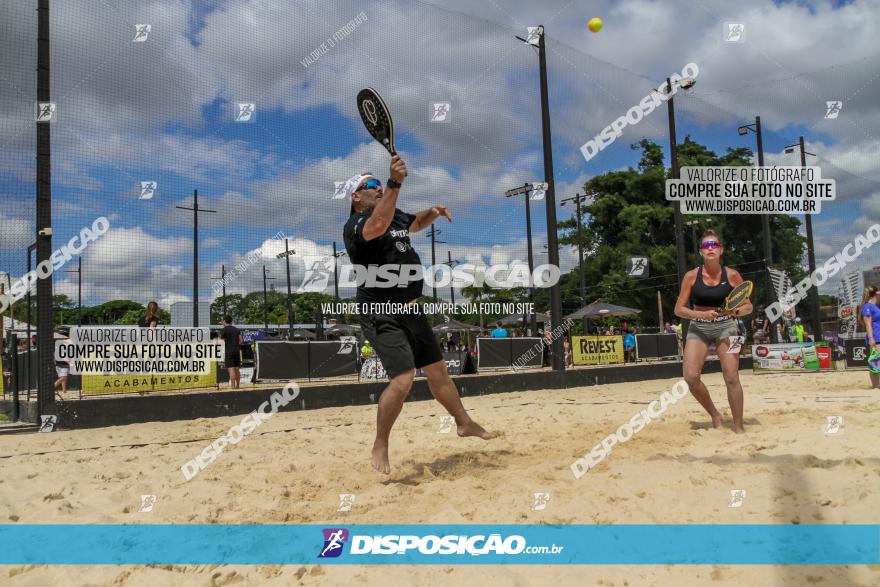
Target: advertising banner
(796,356)
(597,350)
(99,384)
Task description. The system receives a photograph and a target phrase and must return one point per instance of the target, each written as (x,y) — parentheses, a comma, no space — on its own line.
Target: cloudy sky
(163,109)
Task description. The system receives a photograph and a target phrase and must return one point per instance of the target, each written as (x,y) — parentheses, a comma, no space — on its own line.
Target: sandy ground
(292,469)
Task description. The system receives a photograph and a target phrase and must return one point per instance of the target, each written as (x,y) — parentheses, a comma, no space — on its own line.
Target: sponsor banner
(100,384)
(796,356)
(857,352)
(287,544)
(597,350)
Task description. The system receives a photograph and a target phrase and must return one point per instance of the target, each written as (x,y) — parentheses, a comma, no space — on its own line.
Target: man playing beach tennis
(377,235)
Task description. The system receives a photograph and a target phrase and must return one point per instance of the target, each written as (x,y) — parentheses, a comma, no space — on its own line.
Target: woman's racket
(376,118)
(736,298)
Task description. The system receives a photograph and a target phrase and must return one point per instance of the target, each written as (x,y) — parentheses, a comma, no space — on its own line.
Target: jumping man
(377,234)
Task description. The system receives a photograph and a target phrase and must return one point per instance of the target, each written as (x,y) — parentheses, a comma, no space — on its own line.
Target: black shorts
(233,360)
(403,342)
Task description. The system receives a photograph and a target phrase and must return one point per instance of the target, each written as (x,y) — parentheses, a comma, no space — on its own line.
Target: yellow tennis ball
(595,24)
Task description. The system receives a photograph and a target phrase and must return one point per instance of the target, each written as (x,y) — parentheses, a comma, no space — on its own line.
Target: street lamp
(811,253)
(765,218)
(537,36)
(286,256)
(685,84)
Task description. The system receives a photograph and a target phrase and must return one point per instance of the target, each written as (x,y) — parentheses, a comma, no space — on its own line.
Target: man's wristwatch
(393,184)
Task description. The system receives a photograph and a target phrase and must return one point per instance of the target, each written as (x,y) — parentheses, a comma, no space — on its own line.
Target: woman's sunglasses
(370,184)
(710,245)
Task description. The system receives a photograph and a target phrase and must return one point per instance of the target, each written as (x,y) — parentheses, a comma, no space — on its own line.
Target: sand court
(293,468)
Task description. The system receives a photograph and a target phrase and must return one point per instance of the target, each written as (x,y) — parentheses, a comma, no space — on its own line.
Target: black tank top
(712,296)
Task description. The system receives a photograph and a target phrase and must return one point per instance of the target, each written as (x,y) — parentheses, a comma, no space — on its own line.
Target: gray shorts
(712,332)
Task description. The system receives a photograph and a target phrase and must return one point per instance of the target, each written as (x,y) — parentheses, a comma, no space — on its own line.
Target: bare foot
(739,429)
(380,457)
(471,428)
(716,421)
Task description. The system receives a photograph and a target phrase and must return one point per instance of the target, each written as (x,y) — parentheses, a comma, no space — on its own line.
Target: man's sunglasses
(710,245)
(370,184)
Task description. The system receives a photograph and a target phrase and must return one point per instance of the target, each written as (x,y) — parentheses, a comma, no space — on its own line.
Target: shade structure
(600,309)
(455,326)
(516,319)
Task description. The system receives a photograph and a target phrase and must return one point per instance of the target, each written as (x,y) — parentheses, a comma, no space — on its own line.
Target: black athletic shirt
(393,248)
(710,295)
(229,334)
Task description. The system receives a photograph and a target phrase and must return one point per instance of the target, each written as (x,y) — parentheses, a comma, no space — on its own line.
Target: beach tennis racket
(376,118)
(874,361)
(737,297)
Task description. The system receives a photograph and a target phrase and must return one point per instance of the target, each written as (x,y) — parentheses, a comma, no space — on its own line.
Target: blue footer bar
(440,544)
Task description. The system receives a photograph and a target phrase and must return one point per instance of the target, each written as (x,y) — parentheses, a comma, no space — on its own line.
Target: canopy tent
(600,309)
(302,334)
(455,326)
(516,319)
(343,329)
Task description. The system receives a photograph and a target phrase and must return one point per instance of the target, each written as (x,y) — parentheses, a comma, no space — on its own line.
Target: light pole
(286,256)
(526,189)
(680,262)
(765,220)
(195,210)
(552,237)
(811,253)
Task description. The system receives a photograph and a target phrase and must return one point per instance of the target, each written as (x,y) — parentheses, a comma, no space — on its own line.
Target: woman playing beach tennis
(704,294)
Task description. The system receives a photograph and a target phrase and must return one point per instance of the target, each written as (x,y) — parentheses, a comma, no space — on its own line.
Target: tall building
(871,277)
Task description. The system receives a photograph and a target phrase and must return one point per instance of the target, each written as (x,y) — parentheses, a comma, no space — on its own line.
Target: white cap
(352,184)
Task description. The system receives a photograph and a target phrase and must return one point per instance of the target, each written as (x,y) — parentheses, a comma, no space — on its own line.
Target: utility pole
(79,289)
(577,199)
(286,254)
(451,280)
(266,300)
(526,189)
(195,210)
(222,280)
(433,234)
(336,256)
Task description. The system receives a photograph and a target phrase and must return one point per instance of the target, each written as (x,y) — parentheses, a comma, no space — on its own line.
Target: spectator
(150,318)
(798,330)
(232,340)
(740,327)
(629,346)
(62,367)
(760,326)
(499,331)
(566,345)
(366,350)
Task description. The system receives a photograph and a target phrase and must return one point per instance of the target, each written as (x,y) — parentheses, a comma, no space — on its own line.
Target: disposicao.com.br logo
(334,540)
